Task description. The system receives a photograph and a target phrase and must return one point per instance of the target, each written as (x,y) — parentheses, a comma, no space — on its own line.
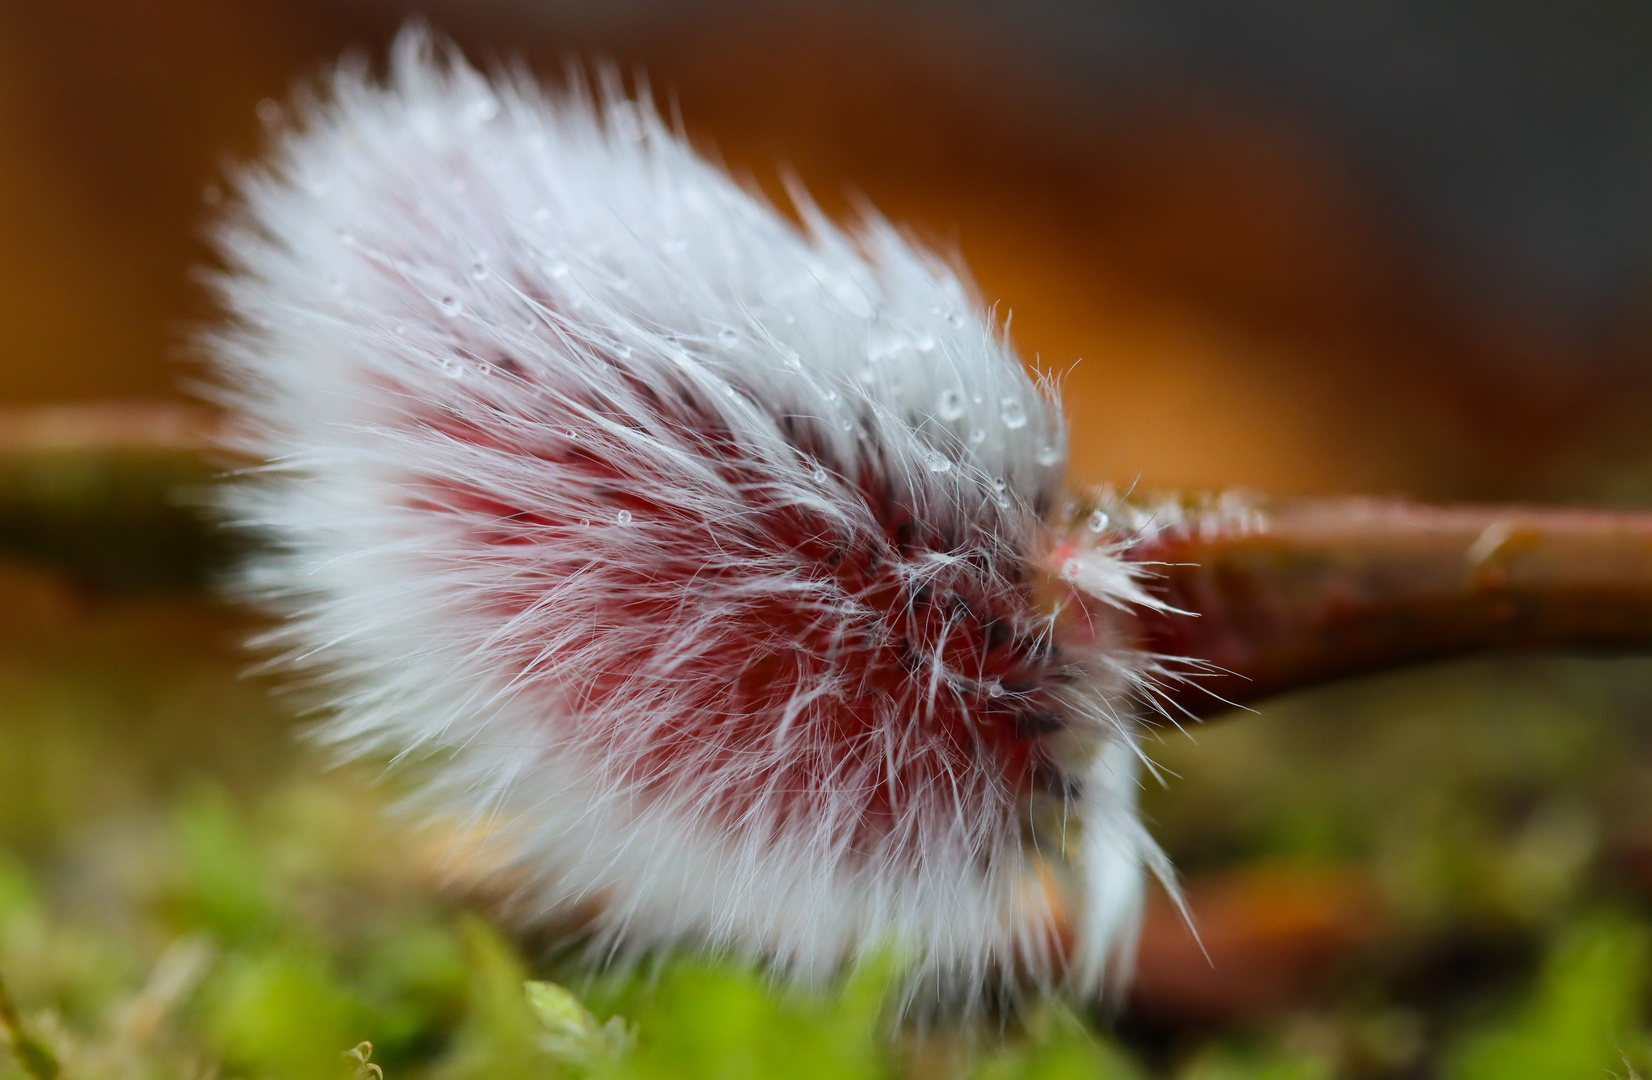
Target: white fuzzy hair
(697,555)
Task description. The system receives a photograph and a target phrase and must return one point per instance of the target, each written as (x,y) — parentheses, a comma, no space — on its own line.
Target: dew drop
(623,517)
(728,335)
(585,522)
(937,462)
(819,475)
(557,270)
(950,405)
(450,367)
(482,110)
(995,689)
(1048,456)
(449,306)
(1098,521)
(794,362)
(478,272)
(977,436)
(954,319)
(926,344)
(1013,413)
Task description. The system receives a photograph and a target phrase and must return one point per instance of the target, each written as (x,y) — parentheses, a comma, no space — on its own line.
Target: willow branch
(1279,596)
(1305,592)
(112,494)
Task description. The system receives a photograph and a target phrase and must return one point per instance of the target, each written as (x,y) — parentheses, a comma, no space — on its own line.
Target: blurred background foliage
(1383,247)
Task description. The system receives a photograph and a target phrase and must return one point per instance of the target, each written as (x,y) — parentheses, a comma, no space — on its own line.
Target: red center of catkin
(763,670)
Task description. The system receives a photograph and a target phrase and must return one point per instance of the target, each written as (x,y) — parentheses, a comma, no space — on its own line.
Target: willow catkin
(695,554)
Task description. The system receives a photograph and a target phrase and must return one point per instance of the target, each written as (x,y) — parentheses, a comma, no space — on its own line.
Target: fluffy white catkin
(697,556)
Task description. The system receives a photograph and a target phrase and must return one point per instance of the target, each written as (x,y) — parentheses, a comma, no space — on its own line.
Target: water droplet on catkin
(449,306)
(1049,456)
(937,462)
(1098,521)
(623,517)
(728,335)
(950,406)
(478,272)
(1013,413)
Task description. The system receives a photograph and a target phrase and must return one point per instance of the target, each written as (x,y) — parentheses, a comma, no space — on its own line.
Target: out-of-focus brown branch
(1305,592)
(112,494)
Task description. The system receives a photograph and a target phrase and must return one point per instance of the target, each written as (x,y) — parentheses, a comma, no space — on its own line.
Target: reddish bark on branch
(1305,592)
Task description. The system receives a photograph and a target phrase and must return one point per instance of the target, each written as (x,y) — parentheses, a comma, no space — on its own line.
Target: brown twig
(112,493)
(1305,592)
(1280,596)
